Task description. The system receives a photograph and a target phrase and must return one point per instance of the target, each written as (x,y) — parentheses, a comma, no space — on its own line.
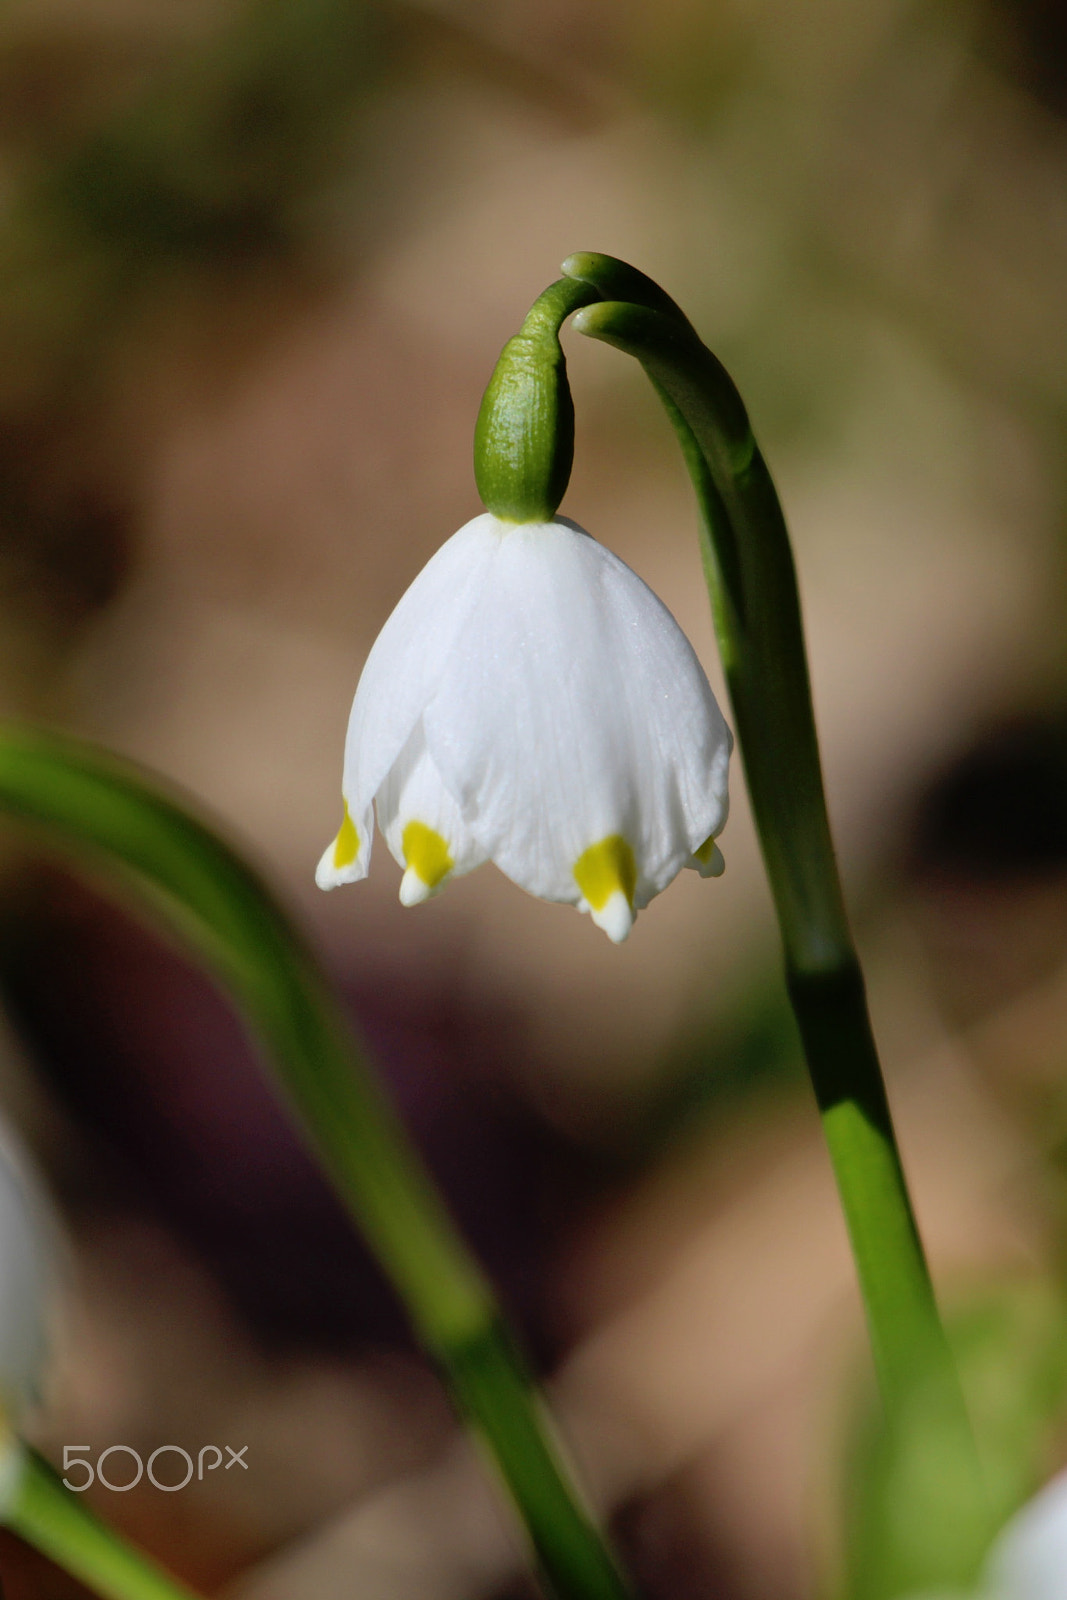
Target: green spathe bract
(524,436)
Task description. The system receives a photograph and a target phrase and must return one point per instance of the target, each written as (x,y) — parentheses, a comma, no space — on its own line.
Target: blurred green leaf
(213,158)
(910,1525)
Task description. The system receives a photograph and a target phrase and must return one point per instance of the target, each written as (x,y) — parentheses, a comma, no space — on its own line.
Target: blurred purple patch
(154,1069)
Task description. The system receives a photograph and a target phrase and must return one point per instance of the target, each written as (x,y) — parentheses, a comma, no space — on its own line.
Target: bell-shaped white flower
(531,702)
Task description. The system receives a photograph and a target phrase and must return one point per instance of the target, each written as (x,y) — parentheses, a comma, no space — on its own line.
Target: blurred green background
(256,263)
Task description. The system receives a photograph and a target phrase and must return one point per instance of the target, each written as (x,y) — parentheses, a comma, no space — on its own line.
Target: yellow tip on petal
(615,916)
(428,862)
(346,845)
(339,859)
(606,874)
(708,859)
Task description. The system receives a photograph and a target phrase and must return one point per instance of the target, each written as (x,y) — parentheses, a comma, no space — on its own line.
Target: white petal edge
(616,916)
(328,875)
(29,1247)
(1029,1559)
(713,865)
(407,659)
(413,792)
(404,663)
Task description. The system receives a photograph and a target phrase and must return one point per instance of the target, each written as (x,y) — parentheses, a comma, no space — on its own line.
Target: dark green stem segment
(488,1380)
(204,892)
(61,1526)
(752,583)
(524,436)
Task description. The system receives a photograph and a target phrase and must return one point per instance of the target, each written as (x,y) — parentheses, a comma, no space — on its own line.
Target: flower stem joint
(530,701)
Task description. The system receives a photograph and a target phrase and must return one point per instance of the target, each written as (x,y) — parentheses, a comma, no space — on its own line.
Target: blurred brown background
(256,263)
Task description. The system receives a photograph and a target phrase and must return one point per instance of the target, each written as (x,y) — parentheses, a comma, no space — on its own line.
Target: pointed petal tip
(615,916)
(413,891)
(347,859)
(328,875)
(708,860)
(715,866)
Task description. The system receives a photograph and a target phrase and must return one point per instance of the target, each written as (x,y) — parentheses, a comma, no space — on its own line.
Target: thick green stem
(108,813)
(752,583)
(57,1523)
(831,1012)
(489,1381)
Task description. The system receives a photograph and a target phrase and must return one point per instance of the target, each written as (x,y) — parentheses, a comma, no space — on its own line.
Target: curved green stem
(58,1524)
(752,583)
(203,890)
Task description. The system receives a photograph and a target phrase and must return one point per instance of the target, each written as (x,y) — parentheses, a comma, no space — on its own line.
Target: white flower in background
(531,702)
(1028,1561)
(25,1280)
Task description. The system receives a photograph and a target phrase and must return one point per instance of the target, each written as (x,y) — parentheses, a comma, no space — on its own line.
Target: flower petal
(572,709)
(422,824)
(707,859)
(397,679)
(409,655)
(1029,1559)
(606,874)
(347,858)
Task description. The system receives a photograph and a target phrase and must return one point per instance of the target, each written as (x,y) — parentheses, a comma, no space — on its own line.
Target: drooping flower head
(530,701)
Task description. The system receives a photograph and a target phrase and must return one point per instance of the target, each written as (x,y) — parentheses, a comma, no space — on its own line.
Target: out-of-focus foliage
(211,158)
(256,262)
(210,162)
(911,1527)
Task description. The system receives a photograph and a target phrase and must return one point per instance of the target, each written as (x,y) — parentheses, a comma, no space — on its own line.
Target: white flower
(531,702)
(25,1283)
(1028,1561)
(23,1274)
